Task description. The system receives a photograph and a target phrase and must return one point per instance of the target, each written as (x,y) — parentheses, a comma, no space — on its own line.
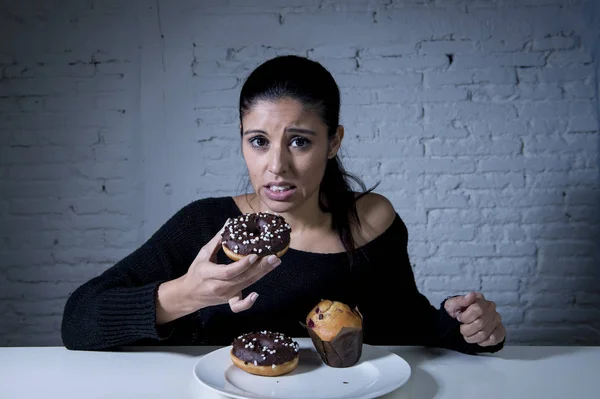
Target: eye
(300,142)
(258,141)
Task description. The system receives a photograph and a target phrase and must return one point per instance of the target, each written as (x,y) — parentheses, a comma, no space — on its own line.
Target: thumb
(456,305)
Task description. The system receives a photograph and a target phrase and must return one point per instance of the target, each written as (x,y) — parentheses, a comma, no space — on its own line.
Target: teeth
(280,188)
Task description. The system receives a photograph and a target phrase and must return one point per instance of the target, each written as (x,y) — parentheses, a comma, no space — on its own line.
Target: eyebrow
(288,130)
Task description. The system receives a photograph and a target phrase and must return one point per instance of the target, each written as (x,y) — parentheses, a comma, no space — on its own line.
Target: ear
(335,142)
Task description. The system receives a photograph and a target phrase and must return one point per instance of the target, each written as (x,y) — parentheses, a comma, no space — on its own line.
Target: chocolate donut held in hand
(265,353)
(336,332)
(261,234)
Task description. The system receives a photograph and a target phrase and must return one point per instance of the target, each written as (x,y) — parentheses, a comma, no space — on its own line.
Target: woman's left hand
(480,322)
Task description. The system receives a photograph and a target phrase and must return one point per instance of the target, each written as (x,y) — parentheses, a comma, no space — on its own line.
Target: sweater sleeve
(118,307)
(391,297)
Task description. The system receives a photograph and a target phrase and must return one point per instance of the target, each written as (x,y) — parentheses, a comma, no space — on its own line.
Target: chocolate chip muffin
(336,331)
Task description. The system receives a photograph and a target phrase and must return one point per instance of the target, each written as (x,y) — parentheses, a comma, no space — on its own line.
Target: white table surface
(515,372)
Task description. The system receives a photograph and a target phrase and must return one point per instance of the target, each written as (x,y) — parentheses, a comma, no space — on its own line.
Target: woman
(179,288)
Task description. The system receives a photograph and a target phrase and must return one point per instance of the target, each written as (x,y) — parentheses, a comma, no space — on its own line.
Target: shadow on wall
(587,305)
(594,15)
(594,21)
(596,57)
(568,258)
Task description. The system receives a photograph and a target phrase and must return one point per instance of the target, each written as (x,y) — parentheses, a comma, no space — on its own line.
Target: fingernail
(252,258)
(458,316)
(253,297)
(274,260)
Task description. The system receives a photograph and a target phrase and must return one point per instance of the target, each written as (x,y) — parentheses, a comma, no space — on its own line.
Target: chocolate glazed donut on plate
(265,353)
(262,234)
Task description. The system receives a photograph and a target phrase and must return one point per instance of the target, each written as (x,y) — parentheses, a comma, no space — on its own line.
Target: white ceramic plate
(377,373)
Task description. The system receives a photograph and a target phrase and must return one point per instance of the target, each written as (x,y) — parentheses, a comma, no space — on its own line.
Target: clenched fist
(480,322)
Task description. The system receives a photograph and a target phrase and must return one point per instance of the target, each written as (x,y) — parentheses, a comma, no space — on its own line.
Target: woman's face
(286,149)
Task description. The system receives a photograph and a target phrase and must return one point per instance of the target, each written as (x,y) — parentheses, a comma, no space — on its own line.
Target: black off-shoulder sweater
(118,307)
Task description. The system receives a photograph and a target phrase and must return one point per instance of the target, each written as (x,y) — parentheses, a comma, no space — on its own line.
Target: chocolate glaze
(256,233)
(265,348)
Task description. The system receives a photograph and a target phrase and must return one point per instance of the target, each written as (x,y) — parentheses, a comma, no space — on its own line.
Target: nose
(278,161)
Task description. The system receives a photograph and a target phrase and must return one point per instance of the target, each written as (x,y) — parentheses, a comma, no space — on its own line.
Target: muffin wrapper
(342,351)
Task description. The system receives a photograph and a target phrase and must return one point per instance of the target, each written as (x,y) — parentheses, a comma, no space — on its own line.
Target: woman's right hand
(207,283)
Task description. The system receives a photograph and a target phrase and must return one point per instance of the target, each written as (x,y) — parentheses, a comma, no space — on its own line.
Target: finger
(477,325)
(230,271)
(465,301)
(495,337)
(251,276)
(457,304)
(258,271)
(210,249)
(477,310)
(239,304)
(485,333)
(247,270)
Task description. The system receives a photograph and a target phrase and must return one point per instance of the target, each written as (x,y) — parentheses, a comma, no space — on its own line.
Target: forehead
(284,111)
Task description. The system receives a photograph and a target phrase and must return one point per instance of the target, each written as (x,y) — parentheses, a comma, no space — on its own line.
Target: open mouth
(280,188)
(279,192)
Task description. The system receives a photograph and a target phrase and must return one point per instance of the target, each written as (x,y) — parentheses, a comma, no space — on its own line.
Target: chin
(280,206)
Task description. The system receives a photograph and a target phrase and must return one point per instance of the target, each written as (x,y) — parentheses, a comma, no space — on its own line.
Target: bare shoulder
(376,214)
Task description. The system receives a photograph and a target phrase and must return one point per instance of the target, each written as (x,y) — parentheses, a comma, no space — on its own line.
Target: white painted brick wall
(480,118)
